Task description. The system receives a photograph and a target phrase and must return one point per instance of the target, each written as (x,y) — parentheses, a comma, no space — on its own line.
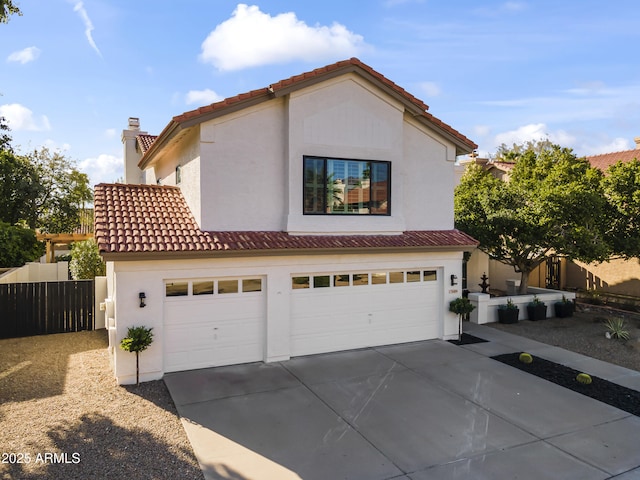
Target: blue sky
(72,71)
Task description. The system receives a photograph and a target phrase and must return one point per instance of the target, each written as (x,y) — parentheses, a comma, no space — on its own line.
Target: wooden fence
(42,308)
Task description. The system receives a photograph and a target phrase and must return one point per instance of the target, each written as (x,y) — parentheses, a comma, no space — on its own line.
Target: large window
(339,186)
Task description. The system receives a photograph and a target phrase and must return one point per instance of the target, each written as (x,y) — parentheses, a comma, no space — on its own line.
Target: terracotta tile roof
(145,142)
(299,81)
(605,160)
(156,219)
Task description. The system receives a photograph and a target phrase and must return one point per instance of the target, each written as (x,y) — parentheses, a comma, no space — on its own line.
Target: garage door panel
(341,318)
(213,330)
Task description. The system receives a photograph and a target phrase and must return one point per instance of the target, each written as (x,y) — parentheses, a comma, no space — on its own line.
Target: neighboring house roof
(284,87)
(605,160)
(152,219)
(145,141)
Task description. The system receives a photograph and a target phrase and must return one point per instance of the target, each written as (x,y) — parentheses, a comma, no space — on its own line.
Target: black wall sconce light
(142,297)
(454,280)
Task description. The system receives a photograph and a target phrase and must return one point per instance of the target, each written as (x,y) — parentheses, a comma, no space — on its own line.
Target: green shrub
(86,262)
(18,245)
(584,378)
(525,357)
(137,340)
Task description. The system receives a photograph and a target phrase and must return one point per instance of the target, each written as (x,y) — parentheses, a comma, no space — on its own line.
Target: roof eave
(199,254)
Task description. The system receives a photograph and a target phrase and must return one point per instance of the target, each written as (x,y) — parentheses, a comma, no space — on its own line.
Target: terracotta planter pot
(508,315)
(537,312)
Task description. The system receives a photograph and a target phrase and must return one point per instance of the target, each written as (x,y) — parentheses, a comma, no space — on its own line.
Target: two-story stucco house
(313,215)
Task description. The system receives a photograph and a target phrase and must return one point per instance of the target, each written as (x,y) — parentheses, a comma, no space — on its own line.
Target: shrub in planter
(137,340)
(462,307)
(536,309)
(564,308)
(508,313)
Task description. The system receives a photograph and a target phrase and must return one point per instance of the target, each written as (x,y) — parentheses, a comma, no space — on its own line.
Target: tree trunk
(524,283)
(137,370)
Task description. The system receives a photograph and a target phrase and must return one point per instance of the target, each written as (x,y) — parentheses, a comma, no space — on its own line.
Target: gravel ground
(585,333)
(58,396)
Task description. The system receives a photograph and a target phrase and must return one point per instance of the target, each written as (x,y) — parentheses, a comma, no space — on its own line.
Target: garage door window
(227,286)
(251,285)
(177,289)
(430,276)
(299,282)
(203,288)
(321,281)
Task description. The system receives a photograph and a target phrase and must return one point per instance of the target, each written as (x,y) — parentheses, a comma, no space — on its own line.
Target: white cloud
(531,132)
(481,130)
(110,133)
(88,25)
(430,89)
(595,146)
(102,169)
(514,6)
(20,117)
(202,97)
(251,38)
(26,55)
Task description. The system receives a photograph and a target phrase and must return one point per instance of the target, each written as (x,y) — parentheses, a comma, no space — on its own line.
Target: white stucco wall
(428,179)
(134,277)
(243,169)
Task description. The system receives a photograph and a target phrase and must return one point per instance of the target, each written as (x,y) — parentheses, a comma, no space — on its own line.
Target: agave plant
(617,328)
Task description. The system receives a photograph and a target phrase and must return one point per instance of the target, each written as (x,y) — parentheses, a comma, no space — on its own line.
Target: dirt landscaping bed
(585,333)
(62,416)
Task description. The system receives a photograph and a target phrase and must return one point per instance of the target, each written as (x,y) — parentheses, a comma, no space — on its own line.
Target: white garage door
(353,310)
(213,322)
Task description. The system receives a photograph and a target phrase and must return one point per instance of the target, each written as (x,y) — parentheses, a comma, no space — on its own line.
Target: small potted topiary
(137,340)
(508,313)
(564,308)
(536,309)
(462,307)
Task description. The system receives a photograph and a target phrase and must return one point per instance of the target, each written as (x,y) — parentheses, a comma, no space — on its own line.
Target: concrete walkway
(426,410)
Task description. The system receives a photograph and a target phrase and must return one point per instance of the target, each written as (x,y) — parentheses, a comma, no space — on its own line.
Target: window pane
(252,285)
(396,277)
(299,282)
(341,280)
(321,281)
(379,202)
(378,278)
(413,276)
(177,289)
(203,288)
(430,275)
(227,286)
(314,185)
(336,170)
(357,188)
(361,279)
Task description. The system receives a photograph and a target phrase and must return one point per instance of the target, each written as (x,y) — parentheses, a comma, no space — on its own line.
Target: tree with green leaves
(86,262)
(7,8)
(621,185)
(551,204)
(44,189)
(18,245)
(137,340)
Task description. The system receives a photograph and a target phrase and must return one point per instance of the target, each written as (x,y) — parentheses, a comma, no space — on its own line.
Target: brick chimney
(637,140)
(132,154)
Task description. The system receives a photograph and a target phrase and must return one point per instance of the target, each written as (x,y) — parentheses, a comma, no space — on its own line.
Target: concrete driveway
(427,410)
